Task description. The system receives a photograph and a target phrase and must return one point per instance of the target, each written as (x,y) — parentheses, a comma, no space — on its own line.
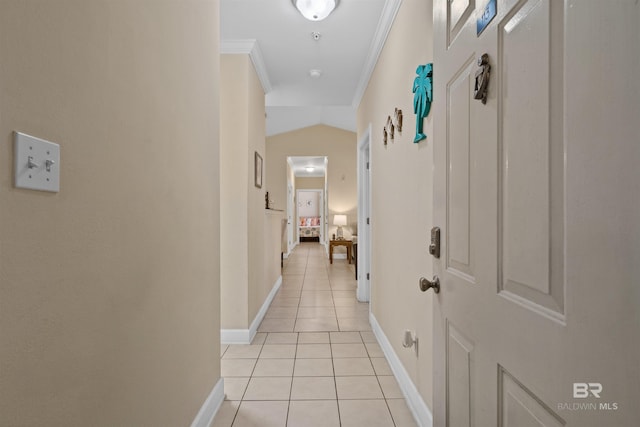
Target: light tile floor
(314,361)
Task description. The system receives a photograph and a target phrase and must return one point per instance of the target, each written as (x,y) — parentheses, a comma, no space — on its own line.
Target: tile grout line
(304,286)
(386,401)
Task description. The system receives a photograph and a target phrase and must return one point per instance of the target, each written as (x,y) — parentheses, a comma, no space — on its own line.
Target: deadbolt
(434,247)
(426,284)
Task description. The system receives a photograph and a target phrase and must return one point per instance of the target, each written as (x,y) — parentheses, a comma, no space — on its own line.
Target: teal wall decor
(423,95)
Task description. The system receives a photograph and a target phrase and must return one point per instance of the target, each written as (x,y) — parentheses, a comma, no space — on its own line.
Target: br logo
(584,390)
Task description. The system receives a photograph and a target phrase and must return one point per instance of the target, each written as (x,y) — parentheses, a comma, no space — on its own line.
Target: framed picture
(258,170)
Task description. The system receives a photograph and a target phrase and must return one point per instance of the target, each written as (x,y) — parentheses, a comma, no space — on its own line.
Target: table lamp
(339,220)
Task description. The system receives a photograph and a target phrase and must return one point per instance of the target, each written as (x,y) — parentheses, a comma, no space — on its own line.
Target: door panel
(525,144)
(459,378)
(459,256)
(531,170)
(457,15)
(535,193)
(521,408)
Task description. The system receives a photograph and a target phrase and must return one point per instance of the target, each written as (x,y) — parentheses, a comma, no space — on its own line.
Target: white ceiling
(281,45)
(298,164)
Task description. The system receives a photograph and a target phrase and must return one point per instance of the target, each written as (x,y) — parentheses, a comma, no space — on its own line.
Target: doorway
(310,215)
(307,174)
(364,208)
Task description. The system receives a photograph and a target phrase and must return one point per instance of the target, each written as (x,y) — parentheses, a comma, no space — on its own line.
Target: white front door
(537,194)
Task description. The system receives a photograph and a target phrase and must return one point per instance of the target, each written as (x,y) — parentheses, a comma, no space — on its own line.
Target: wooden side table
(347,243)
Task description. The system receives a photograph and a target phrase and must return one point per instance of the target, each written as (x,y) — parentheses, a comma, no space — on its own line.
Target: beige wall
(235,177)
(273,230)
(245,278)
(402,182)
(260,282)
(320,140)
(310,183)
(109,304)
(308,203)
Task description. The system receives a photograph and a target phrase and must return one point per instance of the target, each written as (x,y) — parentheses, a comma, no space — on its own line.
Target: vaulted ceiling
(285,48)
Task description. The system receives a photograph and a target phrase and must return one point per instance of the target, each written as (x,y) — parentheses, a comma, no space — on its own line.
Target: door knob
(426,284)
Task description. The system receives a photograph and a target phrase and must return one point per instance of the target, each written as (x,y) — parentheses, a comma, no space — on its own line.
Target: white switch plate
(44,173)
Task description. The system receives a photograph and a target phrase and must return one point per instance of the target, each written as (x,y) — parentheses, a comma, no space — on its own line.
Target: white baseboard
(245,336)
(209,409)
(235,336)
(419,409)
(263,310)
(339,256)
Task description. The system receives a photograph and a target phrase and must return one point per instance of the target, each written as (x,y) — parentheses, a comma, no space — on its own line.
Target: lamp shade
(315,10)
(339,220)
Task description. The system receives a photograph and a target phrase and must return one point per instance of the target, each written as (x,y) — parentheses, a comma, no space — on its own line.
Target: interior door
(537,196)
(321,212)
(364,212)
(290,220)
(325,222)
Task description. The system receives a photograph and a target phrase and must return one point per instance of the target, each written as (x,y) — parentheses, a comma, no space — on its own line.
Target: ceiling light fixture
(315,10)
(309,169)
(315,74)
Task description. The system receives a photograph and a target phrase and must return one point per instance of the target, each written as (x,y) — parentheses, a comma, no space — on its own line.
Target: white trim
(210,408)
(364,210)
(290,224)
(339,256)
(263,310)
(418,408)
(245,336)
(294,244)
(249,47)
(385,23)
(235,336)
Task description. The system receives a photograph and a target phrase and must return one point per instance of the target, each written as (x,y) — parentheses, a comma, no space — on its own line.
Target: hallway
(314,361)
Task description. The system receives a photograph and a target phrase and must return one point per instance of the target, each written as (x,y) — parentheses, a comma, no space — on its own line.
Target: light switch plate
(37,163)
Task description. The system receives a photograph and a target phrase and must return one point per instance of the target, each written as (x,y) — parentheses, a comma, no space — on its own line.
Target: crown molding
(389,13)
(249,47)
